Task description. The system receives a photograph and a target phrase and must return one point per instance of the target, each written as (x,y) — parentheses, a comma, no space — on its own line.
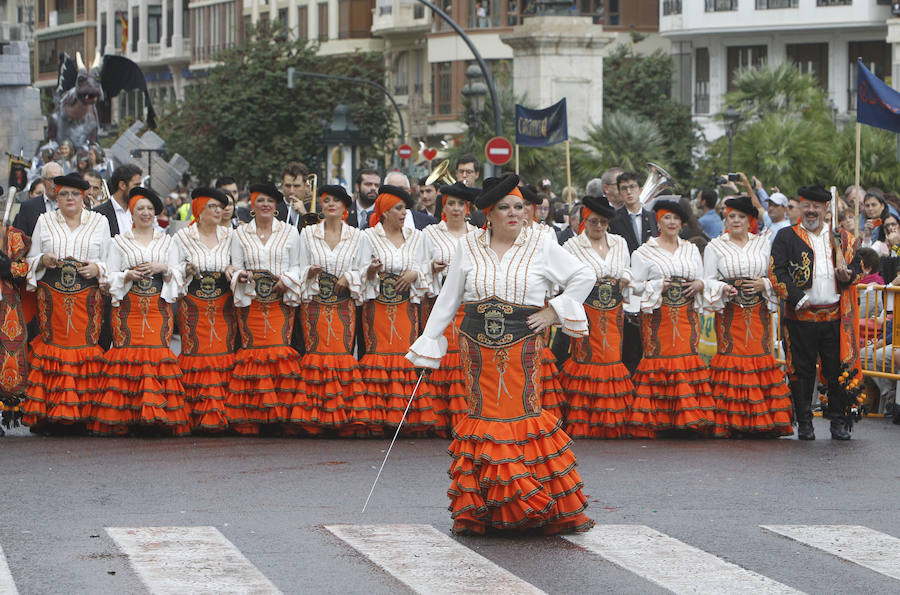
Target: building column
(177,27)
(142,38)
(112,42)
(893,38)
(292,19)
(334,18)
(131,29)
(165,27)
(254,12)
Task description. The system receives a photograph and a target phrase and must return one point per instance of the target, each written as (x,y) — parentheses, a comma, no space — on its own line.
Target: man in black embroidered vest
(805,274)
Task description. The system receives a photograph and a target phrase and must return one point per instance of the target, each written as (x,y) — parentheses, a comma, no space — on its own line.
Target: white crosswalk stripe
(672,564)
(427,561)
(189,560)
(7,585)
(860,545)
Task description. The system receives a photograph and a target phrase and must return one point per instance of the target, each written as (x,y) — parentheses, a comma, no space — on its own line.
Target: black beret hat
(337,191)
(267,188)
(815,192)
(399,192)
(459,190)
(212,193)
(530,194)
(671,206)
(496,189)
(599,205)
(744,205)
(72,181)
(149,194)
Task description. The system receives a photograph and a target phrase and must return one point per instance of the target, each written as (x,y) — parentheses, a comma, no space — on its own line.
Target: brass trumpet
(312,217)
(441,173)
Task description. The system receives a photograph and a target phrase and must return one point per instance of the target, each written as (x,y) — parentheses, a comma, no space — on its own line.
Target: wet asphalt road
(271,498)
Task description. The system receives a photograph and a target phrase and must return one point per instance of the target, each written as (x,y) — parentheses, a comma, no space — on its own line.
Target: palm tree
(622,140)
(766,89)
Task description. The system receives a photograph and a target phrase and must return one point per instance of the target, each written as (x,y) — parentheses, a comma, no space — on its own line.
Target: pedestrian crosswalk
(423,559)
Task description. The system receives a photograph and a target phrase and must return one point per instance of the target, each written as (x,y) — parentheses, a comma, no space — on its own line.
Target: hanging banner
(542,127)
(18,172)
(876,104)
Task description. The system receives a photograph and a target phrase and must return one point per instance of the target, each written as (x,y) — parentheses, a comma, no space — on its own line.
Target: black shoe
(839,430)
(805,431)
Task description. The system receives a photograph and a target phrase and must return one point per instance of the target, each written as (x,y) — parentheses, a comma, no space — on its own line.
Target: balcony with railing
(400,16)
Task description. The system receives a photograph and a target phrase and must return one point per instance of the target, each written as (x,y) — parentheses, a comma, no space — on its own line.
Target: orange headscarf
(585,213)
(661,213)
(134,200)
(197,205)
(253,197)
(444,198)
(383,204)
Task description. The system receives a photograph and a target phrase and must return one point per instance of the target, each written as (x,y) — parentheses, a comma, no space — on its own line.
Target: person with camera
(709,220)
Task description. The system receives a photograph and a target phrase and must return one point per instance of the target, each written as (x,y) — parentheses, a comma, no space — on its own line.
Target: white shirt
(362,214)
(192,250)
(126,253)
(410,256)
(724,259)
(49,205)
(441,244)
(524,275)
(823,291)
(123,216)
(348,259)
(89,242)
(651,265)
(636,222)
(279,255)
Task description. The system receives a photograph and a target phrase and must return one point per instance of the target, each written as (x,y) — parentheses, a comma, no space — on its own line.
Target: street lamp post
(732,118)
(475,92)
(342,139)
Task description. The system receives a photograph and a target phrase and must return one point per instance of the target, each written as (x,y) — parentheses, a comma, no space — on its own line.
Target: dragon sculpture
(80,88)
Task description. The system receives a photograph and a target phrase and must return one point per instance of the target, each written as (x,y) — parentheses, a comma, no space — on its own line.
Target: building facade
(61,26)
(713,39)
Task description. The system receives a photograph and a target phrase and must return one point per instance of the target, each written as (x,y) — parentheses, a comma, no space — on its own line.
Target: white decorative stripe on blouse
(127,253)
(349,259)
(89,242)
(279,255)
(651,265)
(724,259)
(441,245)
(411,256)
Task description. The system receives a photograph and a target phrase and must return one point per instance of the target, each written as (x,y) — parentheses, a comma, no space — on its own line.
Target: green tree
(641,85)
(623,140)
(878,158)
(781,88)
(244,121)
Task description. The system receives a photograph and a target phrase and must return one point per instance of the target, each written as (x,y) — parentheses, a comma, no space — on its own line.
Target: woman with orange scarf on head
(333,259)
(513,468)
(265,280)
(671,388)
(597,384)
(448,385)
(141,383)
(751,394)
(396,280)
(206,313)
(66,264)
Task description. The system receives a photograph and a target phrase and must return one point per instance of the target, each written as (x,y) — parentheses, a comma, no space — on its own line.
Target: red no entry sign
(404,151)
(498,150)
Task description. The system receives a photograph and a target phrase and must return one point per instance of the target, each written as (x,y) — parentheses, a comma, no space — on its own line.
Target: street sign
(498,150)
(404,151)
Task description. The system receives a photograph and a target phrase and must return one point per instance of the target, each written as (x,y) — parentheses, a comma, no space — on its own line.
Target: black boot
(839,430)
(801,395)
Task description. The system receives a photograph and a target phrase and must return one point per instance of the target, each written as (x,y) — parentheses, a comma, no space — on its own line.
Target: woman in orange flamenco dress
(66,263)
(206,314)
(597,384)
(141,381)
(751,395)
(396,280)
(265,261)
(513,467)
(333,259)
(447,383)
(671,388)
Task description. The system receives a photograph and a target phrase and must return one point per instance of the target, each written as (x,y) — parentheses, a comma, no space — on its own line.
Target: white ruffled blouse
(412,255)
(723,259)
(126,253)
(614,265)
(441,245)
(652,264)
(89,242)
(528,270)
(192,250)
(279,255)
(349,259)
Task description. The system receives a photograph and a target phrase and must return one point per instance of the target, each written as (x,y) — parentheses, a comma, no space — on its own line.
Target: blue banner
(876,104)
(542,127)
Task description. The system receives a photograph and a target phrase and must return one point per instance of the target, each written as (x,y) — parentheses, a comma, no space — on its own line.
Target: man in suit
(297,193)
(34,207)
(365,188)
(123,179)
(637,225)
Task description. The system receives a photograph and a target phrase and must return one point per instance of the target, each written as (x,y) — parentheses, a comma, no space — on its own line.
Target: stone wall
(21,123)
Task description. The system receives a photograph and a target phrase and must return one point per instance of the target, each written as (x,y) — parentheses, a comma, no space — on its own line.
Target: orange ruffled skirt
(266,383)
(597,384)
(751,393)
(65,360)
(447,384)
(671,388)
(208,335)
(336,395)
(389,330)
(513,467)
(141,379)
